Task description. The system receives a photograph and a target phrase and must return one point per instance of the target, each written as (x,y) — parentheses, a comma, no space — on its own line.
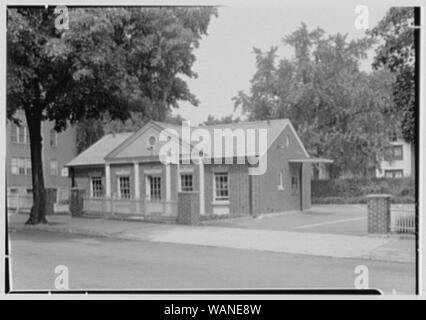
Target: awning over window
(311,160)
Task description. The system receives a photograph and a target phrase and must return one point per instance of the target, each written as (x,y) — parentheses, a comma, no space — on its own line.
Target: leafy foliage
(211,120)
(112,61)
(397,53)
(91,130)
(338,111)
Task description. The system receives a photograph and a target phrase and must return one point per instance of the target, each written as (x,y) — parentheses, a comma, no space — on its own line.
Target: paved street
(101,263)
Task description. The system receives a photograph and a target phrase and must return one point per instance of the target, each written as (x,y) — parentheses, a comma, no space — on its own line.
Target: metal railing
(19,202)
(402,221)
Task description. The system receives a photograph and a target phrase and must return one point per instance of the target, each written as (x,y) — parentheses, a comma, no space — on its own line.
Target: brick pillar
(188,207)
(378,206)
(76,202)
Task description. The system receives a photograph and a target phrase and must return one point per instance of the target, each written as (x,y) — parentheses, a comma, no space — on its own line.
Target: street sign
(64,172)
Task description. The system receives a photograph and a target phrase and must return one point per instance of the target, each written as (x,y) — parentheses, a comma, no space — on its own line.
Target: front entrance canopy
(311,160)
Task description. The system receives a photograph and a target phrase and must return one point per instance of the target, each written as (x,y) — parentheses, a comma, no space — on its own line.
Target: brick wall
(267,196)
(378,214)
(238,187)
(188,207)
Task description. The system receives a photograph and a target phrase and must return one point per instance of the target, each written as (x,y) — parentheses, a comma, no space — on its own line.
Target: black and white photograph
(213,148)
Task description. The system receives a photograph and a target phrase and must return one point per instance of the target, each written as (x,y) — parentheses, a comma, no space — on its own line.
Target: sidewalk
(329,245)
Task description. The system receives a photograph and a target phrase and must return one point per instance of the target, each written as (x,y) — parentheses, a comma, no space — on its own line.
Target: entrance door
(153,194)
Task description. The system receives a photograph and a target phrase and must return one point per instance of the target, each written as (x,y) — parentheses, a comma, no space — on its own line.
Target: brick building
(58,149)
(127,167)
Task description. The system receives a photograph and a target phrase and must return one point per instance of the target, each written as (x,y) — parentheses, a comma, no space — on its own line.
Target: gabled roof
(274,128)
(110,146)
(95,154)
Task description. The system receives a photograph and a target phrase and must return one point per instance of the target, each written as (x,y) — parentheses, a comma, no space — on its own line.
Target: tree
(397,53)
(338,111)
(111,61)
(211,120)
(90,131)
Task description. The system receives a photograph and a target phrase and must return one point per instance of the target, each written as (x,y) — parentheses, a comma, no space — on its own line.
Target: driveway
(331,219)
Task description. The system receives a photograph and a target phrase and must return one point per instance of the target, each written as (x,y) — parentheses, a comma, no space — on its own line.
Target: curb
(119,236)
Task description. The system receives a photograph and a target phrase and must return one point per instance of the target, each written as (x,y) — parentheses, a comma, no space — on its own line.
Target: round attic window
(152,140)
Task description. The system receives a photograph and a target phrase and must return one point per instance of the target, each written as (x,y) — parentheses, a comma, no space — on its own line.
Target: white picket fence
(402,221)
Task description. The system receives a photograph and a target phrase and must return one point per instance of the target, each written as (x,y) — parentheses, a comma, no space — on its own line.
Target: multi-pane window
(294,185)
(28,166)
(14,133)
(97,187)
(14,166)
(27,136)
(14,190)
(53,138)
(19,134)
(54,170)
(221,186)
(186,182)
(155,187)
(393,173)
(397,153)
(21,166)
(124,187)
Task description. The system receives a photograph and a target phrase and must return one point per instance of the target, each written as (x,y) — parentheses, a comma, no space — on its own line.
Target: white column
(168,183)
(178,183)
(107,180)
(201,181)
(136,178)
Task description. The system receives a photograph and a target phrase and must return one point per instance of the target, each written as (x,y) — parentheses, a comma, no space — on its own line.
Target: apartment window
(186,182)
(14,190)
(96,187)
(54,171)
(221,186)
(27,136)
(281,180)
(28,166)
(21,134)
(14,133)
(397,152)
(21,166)
(14,166)
(393,136)
(155,187)
(53,138)
(393,173)
(294,185)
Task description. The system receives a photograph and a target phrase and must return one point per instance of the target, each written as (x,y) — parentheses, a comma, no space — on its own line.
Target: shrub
(357,200)
(361,187)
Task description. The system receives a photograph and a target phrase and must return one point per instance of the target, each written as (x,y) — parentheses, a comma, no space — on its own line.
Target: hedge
(357,200)
(355,190)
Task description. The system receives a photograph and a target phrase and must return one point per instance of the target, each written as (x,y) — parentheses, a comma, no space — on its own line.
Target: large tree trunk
(38,210)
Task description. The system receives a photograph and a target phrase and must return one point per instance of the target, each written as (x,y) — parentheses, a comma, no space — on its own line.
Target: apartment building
(58,149)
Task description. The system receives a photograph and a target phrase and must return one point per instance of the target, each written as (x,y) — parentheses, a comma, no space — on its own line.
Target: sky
(225,60)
